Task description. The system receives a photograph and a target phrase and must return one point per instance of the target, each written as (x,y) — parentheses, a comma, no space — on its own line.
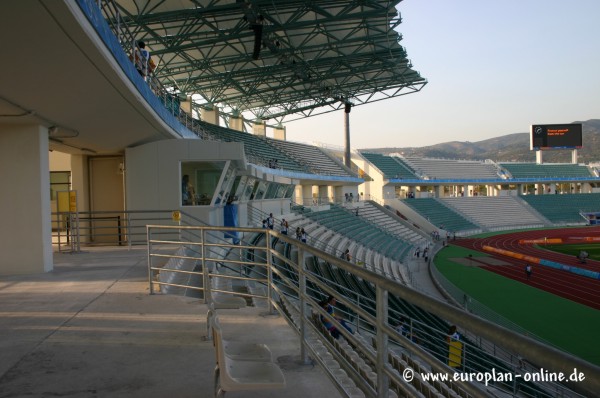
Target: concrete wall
(25,239)
(372,190)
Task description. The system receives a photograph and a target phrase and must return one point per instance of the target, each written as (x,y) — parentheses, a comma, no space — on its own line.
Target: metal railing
(70,230)
(169,96)
(122,228)
(290,285)
(255,217)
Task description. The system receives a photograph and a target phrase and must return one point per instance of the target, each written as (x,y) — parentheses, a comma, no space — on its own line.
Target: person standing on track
(528,271)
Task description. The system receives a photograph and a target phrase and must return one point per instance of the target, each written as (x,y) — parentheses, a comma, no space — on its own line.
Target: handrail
(529,349)
(323,244)
(168,96)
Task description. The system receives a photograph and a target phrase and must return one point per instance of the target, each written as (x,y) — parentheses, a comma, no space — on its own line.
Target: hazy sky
(493,68)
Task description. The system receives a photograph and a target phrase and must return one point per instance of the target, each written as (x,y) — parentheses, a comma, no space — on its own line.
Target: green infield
(570,326)
(593,249)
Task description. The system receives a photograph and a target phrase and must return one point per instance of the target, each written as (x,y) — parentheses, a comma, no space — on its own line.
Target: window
(199,181)
(59,181)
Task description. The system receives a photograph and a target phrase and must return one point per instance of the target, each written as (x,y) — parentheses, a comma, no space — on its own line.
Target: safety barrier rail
(291,286)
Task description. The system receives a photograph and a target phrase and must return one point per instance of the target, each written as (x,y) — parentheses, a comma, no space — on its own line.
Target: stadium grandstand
(158,242)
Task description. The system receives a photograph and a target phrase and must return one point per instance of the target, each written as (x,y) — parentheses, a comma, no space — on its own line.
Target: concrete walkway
(420,278)
(90,329)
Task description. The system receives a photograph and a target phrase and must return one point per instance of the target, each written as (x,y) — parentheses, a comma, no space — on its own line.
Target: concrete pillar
(586,187)
(79,181)
(307,195)
(439,191)
(186,105)
(323,194)
(211,115)
(81,184)
(522,189)
(338,194)
(279,133)
(539,189)
(347,158)
(236,123)
(539,158)
(259,128)
(331,193)
(389,192)
(26,236)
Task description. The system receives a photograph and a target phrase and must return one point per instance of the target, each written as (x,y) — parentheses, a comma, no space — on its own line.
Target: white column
(236,123)
(26,236)
(522,189)
(439,191)
(539,158)
(259,128)
(307,195)
(338,194)
(186,105)
(279,133)
(323,193)
(210,115)
(331,193)
(539,189)
(79,180)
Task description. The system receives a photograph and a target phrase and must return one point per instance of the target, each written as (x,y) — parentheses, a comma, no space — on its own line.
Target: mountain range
(506,148)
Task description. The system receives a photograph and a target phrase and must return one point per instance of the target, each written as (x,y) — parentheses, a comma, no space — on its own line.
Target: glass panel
(59,181)
(281,190)
(271,190)
(290,191)
(249,189)
(224,191)
(199,182)
(259,193)
(241,188)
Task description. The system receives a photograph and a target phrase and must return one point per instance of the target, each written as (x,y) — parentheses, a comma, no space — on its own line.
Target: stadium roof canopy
(275,58)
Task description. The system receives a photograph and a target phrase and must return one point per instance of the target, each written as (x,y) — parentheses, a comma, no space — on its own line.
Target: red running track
(565,284)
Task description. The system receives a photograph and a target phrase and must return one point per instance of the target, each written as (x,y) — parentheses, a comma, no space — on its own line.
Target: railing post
(269,270)
(383,382)
(357,315)
(205,273)
(302,285)
(242,257)
(119,233)
(119,34)
(128,229)
(148,240)
(77,231)
(70,232)
(59,225)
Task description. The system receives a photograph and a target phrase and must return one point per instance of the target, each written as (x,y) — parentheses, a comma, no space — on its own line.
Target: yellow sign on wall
(176,215)
(66,201)
(73,201)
